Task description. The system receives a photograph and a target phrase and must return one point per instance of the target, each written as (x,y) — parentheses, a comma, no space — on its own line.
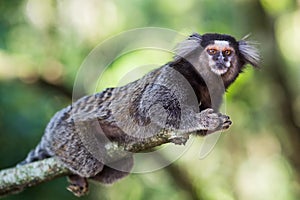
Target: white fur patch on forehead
(221,42)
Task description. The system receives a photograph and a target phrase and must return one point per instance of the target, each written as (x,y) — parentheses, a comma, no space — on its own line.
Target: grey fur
(250,52)
(167,98)
(188,46)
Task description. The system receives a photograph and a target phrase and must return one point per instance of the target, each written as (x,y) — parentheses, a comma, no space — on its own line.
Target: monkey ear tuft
(249,52)
(186,47)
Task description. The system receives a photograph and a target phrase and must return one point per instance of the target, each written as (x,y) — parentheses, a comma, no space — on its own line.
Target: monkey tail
(39,153)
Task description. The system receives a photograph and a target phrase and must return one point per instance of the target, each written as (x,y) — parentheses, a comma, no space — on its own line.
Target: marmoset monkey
(160,100)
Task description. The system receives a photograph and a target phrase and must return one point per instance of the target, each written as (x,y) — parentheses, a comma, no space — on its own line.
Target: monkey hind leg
(78,185)
(115,171)
(39,153)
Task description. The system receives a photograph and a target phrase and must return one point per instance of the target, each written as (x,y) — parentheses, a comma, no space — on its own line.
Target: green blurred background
(43,43)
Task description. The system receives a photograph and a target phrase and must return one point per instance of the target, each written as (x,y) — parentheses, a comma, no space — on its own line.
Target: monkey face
(220,56)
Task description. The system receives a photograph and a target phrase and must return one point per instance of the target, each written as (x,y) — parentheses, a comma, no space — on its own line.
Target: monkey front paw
(214,121)
(225,122)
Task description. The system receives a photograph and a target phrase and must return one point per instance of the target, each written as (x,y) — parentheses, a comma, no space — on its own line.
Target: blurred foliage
(43,43)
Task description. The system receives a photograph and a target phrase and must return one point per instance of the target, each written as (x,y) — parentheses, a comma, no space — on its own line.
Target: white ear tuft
(186,47)
(249,52)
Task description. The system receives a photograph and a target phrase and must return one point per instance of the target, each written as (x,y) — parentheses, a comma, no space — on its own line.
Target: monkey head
(222,54)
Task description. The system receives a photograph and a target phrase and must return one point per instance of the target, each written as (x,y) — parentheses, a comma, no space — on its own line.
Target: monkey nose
(220,58)
(221,65)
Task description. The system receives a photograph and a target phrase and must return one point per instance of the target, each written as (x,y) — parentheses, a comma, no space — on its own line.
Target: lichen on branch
(15,180)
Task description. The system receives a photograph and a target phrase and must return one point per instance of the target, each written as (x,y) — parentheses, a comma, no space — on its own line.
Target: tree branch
(15,180)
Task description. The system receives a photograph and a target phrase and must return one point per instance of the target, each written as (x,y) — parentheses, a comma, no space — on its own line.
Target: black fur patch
(209,38)
(197,82)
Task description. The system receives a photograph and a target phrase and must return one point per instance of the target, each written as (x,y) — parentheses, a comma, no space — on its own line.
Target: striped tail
(39,153)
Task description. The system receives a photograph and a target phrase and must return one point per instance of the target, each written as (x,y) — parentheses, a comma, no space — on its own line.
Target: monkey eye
(212,51)
(227,52)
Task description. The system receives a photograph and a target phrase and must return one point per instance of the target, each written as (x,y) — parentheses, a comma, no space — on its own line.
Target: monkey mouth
(219,69)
